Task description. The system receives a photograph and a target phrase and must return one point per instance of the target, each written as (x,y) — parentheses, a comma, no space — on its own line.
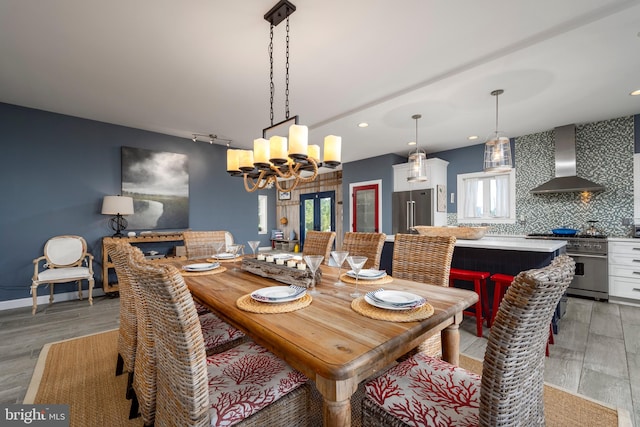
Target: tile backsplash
(604,154)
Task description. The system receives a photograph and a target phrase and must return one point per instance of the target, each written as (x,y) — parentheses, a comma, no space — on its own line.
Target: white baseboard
(44,299)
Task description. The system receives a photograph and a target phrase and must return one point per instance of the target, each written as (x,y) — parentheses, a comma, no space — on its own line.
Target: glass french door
(317,212)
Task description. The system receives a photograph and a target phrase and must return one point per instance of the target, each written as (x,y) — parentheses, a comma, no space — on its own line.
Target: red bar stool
(501,284)
(479,280)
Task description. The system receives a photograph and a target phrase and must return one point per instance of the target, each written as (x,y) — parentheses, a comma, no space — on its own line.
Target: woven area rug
(81,373)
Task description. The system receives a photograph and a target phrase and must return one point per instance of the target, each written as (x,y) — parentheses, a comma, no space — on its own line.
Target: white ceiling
(179,67)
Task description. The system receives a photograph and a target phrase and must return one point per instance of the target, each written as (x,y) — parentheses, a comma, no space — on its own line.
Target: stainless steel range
(590,254)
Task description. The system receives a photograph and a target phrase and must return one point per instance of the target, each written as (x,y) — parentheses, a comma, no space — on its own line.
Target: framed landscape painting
(158,182)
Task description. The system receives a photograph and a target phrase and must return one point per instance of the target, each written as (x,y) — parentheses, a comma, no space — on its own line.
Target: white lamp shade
(332,149)
(278,148)
(313,151)
(298,140)
(245,158)
(261,152)
(117,205)
(232,161)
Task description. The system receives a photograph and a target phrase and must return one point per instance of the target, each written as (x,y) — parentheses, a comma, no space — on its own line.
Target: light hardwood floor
(596,351)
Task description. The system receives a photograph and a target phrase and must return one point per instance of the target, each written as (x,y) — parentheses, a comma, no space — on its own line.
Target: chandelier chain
(271,86)
(286,91)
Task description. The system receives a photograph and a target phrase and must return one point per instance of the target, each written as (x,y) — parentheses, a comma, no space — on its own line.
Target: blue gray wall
(56,170)
(380,167)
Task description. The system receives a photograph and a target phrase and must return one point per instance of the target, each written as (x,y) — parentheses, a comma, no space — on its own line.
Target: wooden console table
(107,264)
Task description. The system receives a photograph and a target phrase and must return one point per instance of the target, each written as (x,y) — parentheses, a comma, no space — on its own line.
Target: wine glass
(313,262)
(217,247)
(339,257)
(356,263)
(233,250)
(253,244)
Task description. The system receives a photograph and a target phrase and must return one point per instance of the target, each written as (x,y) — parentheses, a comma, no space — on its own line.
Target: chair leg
(34,293)
(119,365)
(50,293)
(91,283)
(485,302)
(497,291)
(80,290)
(130,392)
(479,309)
(134,411)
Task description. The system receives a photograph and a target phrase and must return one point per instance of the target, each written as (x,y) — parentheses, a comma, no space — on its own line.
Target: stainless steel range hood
(566,180)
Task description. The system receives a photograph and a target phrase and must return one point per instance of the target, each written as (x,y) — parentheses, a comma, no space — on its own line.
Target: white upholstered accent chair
(65,260)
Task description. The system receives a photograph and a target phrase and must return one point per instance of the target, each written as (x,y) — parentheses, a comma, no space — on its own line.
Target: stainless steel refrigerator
(411,208)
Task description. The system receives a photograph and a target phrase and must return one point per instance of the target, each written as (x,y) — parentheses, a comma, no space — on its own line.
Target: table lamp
(118,206)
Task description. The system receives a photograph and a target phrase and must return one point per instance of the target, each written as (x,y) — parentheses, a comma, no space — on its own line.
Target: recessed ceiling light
(363,125)
(472,137)
(635,92)
(411,143)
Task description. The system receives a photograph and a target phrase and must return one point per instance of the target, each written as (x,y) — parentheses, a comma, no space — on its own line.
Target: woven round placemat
(359,305)
(203,273)
(238,258)
(247,303)
(348,279)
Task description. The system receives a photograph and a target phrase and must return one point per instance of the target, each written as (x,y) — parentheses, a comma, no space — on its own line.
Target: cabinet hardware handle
(635,249)
(636,289)
(636,272)
(636,260)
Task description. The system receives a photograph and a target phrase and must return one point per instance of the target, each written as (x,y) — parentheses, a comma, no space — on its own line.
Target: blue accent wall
(463,160)
(56,169)
(380,167)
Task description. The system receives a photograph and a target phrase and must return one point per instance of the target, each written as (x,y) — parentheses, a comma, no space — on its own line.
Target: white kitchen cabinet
(624,268)
(436,170)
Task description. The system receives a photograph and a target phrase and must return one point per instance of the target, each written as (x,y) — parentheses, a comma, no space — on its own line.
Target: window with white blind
(487,197)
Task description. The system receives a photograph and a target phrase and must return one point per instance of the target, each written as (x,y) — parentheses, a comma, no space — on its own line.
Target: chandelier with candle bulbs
(277,158)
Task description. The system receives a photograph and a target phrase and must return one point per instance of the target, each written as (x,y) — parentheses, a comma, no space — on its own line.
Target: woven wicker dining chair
(199,244)
(365,244)
(319,243)
(128,328)
(427,391)
(245,386)
(141,386)
(425,259)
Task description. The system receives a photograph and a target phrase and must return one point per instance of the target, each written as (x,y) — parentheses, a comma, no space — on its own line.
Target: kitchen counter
(515,243)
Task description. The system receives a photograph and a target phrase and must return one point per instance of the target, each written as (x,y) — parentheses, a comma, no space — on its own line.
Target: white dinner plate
(418,303)
(397,297)
(368,273)
(203,266)
(224,255)
(277,294)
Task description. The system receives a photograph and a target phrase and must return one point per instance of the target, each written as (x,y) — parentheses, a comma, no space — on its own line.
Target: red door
(365,212)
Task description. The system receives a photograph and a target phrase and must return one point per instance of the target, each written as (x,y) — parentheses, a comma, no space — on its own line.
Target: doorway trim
(352,185)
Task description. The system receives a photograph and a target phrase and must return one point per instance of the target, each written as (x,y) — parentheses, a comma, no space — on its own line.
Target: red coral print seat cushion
(424,391)
(244,380)
(217,332)
(201,309)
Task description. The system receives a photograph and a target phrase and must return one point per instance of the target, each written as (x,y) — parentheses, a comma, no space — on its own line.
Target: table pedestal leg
(451,344)
(336,408)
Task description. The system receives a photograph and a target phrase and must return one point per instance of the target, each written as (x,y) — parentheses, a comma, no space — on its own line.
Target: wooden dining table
(328,341)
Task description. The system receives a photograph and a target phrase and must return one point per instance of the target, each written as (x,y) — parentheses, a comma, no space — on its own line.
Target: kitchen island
(496,254)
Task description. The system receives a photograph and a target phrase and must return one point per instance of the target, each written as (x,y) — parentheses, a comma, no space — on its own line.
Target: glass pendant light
(417,160)
(497,149)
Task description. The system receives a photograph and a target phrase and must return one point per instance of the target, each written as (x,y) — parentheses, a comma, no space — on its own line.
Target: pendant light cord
(286,90)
